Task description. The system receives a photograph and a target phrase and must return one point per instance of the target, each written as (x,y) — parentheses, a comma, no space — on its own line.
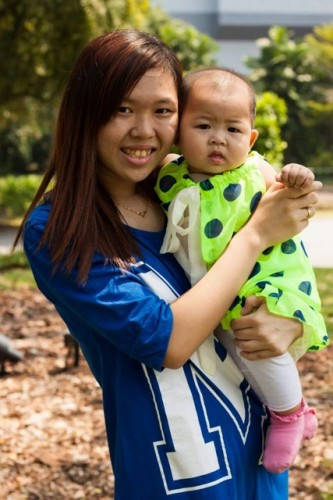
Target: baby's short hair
(228,74)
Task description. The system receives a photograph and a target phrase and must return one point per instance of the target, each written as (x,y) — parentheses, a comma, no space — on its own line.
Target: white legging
(275,380)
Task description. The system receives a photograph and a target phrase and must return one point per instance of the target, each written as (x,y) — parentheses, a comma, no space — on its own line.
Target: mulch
(52,436)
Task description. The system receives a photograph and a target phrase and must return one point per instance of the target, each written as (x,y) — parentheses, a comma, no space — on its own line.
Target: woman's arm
(281,214)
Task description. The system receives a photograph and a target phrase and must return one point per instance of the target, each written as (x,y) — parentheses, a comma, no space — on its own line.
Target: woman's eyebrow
(164,100)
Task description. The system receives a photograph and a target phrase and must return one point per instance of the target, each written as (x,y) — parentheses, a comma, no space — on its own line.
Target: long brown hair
(83,217)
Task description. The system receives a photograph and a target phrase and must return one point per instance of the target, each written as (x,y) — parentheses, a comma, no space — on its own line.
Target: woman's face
(134,141)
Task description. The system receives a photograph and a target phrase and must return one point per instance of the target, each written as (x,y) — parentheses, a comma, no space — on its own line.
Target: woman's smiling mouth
(137,153)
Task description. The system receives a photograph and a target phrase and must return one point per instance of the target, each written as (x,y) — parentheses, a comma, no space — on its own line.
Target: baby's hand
(295,176)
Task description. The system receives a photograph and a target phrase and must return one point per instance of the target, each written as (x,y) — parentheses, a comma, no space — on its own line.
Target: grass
(15,273)
(17,279)
(325,288)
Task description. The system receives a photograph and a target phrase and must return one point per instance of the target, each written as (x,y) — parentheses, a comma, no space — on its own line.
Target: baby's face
(215,132)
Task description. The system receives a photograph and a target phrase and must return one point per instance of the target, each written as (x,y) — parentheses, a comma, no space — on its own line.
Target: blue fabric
(170,432)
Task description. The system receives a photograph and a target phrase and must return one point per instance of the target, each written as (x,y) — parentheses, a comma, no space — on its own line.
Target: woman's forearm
(198,312)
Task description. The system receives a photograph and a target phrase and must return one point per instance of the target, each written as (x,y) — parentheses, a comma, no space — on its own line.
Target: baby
(208,194)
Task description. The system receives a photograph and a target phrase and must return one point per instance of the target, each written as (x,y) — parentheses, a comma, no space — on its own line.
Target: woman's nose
(143,127)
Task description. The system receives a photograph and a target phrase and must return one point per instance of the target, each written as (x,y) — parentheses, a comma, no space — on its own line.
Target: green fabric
(282,274)
(222,197)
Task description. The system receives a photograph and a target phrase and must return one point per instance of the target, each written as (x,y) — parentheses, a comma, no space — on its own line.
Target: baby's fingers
(295,175)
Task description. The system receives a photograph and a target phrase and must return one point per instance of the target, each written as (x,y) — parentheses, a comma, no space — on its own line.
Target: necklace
(140,213)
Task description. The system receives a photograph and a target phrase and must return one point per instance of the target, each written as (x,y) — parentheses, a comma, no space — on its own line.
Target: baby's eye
(233,130)
(203,126)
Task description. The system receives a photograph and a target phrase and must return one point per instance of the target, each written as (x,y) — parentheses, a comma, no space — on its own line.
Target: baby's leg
(277,383)
(269,377)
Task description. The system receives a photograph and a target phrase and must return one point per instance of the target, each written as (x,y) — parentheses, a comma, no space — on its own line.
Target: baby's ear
(253,137)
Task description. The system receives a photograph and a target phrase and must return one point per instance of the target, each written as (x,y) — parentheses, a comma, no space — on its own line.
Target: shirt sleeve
(114,303)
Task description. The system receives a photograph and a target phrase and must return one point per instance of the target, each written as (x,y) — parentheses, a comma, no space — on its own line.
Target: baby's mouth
(217,155)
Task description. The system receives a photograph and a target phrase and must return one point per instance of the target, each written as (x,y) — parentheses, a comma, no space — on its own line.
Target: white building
(237,24)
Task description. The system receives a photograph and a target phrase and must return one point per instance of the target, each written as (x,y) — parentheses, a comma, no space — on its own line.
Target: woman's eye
(163,111)
(124,109)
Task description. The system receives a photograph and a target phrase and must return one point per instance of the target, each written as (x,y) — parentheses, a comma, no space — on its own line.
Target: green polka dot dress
(282,274)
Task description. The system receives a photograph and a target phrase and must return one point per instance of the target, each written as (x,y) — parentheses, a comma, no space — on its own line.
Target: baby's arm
(268,172)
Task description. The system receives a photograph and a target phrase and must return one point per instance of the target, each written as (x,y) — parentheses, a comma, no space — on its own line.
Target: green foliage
(271,115)
(39,42)
(290,68)
(16,193)
(15,272)
(17,259)
(320,119)
(318,127)
(23,146)
(286,67)
(106,15)
(193,48)
(321,41)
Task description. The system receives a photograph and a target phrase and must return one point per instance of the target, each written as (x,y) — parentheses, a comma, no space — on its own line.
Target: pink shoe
(310,422)
(284,439)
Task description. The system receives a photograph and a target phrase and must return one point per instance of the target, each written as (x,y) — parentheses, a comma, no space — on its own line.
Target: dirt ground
(52,437)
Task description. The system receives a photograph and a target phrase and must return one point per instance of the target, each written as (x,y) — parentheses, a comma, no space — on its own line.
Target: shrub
(16,193)
(271,115)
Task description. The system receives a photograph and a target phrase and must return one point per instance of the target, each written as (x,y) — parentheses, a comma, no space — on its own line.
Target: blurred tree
(321,115)
(106,15)
(193,48)
(321,41)
(38,43)
(319,138)
(271,116)
(39,40)
(289,68)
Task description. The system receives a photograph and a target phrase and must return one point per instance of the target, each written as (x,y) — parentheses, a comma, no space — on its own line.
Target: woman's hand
(260,334)
(282,212)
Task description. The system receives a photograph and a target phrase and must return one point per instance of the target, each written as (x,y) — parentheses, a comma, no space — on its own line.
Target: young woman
(93,243)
